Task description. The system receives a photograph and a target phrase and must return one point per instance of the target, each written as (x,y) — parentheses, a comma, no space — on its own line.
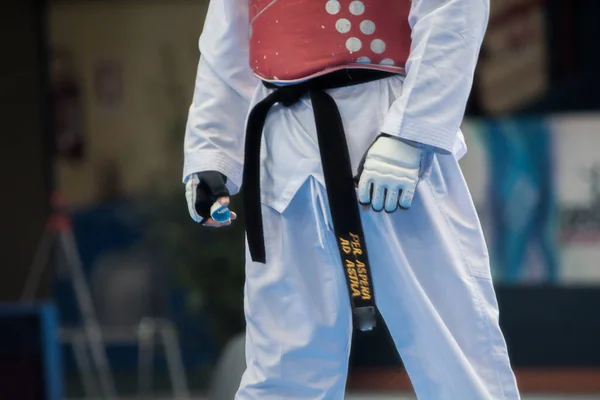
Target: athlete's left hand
(389,173)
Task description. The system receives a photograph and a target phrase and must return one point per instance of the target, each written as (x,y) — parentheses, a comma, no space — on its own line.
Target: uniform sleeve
(446,40)
(214,136)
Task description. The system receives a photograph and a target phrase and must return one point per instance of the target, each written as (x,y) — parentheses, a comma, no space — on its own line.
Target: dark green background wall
(24,138)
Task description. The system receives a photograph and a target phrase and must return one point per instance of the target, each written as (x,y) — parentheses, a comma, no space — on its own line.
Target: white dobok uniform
(430,266)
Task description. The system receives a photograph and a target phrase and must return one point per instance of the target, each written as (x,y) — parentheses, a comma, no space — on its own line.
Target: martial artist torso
(227,88)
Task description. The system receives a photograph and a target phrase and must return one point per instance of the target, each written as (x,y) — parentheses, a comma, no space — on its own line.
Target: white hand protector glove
(208,199)
(390,172)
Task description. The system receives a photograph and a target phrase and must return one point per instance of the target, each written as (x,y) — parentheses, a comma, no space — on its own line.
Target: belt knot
(290,95)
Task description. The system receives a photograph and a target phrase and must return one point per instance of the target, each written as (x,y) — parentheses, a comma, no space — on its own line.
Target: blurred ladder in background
(95,372)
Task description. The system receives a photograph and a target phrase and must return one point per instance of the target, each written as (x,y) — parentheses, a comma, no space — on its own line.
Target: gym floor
(397,396)
(400,396)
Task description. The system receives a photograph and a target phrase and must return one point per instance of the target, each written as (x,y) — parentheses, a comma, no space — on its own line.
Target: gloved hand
(208,199)
(389,173)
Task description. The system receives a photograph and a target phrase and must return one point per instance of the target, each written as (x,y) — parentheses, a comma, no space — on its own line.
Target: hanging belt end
(256,243)
(258,256)
(365,319)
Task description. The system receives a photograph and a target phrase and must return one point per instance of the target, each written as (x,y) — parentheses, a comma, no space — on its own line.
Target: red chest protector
(298,39)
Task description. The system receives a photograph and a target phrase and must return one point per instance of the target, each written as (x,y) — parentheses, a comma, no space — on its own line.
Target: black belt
(339,181)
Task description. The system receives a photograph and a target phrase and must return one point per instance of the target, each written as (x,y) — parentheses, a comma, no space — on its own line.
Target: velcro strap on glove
(211,186)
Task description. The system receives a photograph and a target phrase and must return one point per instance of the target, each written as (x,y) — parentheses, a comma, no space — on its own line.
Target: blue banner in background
(522,203)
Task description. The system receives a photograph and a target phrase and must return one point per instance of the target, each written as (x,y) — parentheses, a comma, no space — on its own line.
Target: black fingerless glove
(211,186)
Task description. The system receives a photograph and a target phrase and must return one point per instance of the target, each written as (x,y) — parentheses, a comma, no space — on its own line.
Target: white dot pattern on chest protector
(367,27)
(333,7)
(357,8)
(377,46)
(342,25)
(353,44)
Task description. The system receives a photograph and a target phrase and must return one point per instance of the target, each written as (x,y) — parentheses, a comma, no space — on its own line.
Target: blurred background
(109,291)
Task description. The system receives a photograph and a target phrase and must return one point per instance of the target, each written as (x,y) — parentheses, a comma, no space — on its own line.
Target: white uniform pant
(432,284)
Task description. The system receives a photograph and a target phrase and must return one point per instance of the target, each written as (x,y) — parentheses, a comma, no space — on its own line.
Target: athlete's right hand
(208,199)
